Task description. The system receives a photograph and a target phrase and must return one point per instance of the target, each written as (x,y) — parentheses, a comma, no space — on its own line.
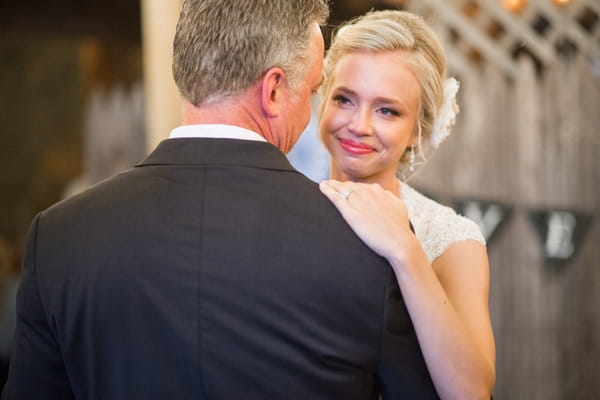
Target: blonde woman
(387,104)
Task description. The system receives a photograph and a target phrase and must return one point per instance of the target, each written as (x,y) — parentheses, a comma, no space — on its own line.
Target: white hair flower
(447,114)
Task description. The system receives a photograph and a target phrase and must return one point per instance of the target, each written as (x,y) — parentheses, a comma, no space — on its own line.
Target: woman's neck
(387,181)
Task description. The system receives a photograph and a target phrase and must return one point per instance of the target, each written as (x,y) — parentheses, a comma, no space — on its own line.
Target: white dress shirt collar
(214,131)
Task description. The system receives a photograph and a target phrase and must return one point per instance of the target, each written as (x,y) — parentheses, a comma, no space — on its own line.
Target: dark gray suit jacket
(212,270)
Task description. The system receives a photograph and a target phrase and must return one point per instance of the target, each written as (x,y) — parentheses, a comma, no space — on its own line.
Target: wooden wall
(533,144)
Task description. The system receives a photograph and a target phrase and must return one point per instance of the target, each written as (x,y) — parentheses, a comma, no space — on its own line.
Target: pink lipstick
(355,147)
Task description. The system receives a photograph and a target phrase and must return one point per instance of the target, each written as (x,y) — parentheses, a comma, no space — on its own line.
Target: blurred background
(86,91)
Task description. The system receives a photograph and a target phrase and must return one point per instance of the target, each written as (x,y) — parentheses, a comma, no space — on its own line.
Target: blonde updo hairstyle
(395,30)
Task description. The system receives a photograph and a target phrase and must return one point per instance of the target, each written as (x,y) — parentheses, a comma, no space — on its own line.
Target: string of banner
(560,231)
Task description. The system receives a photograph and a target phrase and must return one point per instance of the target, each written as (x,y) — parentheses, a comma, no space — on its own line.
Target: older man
(213,269)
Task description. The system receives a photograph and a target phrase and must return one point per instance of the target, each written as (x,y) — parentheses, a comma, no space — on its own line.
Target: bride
(386,104)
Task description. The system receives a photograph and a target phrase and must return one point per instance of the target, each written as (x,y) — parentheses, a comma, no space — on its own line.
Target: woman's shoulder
(437,226)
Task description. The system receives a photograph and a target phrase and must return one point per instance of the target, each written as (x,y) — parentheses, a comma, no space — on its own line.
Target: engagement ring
(346,193)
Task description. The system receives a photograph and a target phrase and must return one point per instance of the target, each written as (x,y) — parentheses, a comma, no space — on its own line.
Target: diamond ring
(345,193)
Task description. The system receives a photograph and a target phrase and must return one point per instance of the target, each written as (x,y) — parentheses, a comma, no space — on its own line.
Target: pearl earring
(411,159)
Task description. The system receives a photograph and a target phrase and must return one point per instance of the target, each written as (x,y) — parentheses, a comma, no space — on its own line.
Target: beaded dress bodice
(436,225)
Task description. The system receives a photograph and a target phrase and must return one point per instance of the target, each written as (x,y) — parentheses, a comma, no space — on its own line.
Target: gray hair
(395,30)
(222,47)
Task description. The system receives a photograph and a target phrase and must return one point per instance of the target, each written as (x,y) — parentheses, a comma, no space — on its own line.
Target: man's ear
(271,93)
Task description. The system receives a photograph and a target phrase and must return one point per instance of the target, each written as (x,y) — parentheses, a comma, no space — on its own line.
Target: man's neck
(228,113)
(249,110)
(240,111)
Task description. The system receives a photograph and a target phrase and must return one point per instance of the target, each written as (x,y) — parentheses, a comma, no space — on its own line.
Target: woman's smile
(355,147)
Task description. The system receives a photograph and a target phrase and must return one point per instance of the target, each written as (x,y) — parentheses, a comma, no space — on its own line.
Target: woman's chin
(355,173)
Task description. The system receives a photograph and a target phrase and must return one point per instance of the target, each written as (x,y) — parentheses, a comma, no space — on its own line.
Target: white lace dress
(436,225)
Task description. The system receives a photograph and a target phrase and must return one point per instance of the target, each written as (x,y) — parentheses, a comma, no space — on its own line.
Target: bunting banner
(490,216)
(560,232)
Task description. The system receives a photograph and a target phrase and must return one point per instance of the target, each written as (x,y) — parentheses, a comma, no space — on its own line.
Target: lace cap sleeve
(436,225)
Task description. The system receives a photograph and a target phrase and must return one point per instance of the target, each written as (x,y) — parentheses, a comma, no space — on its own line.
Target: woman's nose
(360,123)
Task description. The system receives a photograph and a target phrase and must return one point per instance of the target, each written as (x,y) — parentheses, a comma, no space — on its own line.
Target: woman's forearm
(458,367)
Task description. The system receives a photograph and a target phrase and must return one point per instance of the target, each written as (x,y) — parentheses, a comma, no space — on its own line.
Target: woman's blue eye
(340,99)
(388,111)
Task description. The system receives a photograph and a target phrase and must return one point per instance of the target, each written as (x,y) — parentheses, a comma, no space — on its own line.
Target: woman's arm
(447,301)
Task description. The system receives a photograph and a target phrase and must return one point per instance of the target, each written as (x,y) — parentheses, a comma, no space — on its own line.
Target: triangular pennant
(560,232)
(490,216)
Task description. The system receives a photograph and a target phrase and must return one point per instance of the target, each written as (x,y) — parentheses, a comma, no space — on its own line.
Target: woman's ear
(414,137)
(272,91)
(413,141)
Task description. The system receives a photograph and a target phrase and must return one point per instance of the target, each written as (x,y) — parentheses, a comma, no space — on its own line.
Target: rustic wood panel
(533,143)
